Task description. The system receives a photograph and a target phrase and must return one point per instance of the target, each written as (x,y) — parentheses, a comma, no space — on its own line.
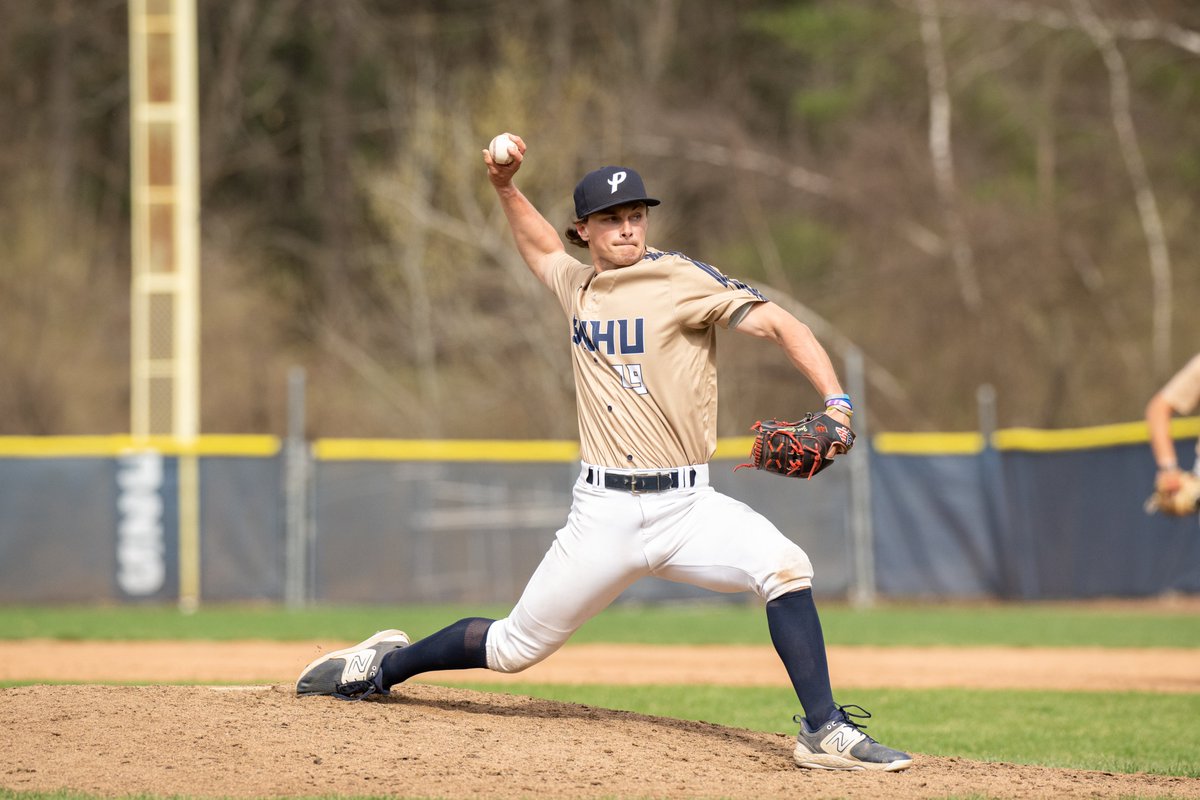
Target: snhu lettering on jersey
(612,336)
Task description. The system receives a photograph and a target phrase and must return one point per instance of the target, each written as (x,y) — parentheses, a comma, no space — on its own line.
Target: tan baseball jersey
(643,344)
(1182,392)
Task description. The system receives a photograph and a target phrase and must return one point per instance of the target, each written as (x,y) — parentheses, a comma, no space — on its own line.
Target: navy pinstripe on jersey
(713,272)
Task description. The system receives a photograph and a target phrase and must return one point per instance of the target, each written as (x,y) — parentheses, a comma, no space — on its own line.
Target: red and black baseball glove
(798,449)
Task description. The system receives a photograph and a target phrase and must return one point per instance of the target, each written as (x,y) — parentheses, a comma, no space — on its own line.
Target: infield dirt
(259,740)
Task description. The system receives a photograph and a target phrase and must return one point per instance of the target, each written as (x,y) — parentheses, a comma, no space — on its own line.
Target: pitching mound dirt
(431,741)
(427,741)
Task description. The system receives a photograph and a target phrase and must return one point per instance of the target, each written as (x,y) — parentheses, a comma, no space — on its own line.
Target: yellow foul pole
(165,313)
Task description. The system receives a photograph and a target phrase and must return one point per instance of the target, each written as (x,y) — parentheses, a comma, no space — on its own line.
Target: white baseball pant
(612,538)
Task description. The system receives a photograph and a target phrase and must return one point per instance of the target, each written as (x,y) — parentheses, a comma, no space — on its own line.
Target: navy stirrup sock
(796,633)
(462,645)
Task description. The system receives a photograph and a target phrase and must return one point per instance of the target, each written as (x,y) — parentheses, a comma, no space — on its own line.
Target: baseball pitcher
(641,324)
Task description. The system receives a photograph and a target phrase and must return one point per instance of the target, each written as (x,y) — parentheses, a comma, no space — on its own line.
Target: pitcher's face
(616,236)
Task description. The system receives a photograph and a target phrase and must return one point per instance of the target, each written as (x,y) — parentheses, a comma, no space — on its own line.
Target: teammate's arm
(770,321)
(1158,420)
(536,238)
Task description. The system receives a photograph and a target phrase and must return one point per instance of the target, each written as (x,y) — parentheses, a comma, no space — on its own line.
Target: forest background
(967,192)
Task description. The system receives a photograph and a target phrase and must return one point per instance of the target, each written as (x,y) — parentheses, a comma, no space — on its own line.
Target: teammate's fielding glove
(797,449)
(1180,497)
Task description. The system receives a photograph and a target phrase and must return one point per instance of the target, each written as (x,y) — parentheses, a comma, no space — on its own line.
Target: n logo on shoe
(843,739)
(357,665)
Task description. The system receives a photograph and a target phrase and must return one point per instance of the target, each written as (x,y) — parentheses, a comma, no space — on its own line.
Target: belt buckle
(662,482)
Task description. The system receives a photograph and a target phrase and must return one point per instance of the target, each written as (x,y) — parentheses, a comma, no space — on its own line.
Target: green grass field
(1041,625)
(1082,730)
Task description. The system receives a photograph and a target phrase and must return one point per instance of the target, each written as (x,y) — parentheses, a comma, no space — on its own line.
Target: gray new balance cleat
(351,674)
(841,744)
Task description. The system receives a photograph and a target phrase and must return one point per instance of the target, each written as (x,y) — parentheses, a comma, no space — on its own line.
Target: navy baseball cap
(607,187)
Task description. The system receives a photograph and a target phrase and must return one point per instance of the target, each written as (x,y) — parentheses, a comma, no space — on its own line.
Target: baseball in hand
(499,149)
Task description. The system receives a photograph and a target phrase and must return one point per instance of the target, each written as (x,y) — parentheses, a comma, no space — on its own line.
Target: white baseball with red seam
(499,148)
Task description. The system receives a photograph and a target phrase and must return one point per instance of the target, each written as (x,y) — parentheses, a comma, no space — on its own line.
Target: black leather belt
(638,482)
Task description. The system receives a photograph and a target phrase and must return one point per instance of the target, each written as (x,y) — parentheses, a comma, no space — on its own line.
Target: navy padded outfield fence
(1024,515)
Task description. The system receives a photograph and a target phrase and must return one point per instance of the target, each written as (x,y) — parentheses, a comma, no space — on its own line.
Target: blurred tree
(971,192)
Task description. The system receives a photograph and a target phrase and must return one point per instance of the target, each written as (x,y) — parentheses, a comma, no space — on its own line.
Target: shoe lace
(356,690)
(848,716)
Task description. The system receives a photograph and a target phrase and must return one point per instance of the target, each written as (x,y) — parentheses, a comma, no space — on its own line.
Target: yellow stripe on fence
(443,450)
(1072,439)
(119,444)
(967,443)
(734,447)
(1029,439)
(1089,438)
(928,443)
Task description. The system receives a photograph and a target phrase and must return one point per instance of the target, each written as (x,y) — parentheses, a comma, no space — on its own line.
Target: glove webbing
(778,451)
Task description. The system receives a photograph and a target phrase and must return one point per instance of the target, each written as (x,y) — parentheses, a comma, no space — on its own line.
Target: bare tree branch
(942,155)
(1147,204)
(1093,281)
(487,242)
(374,373)
(769,166)
(760,233)
(719,155)
(412,253)
(1145,29)
(1153,29)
